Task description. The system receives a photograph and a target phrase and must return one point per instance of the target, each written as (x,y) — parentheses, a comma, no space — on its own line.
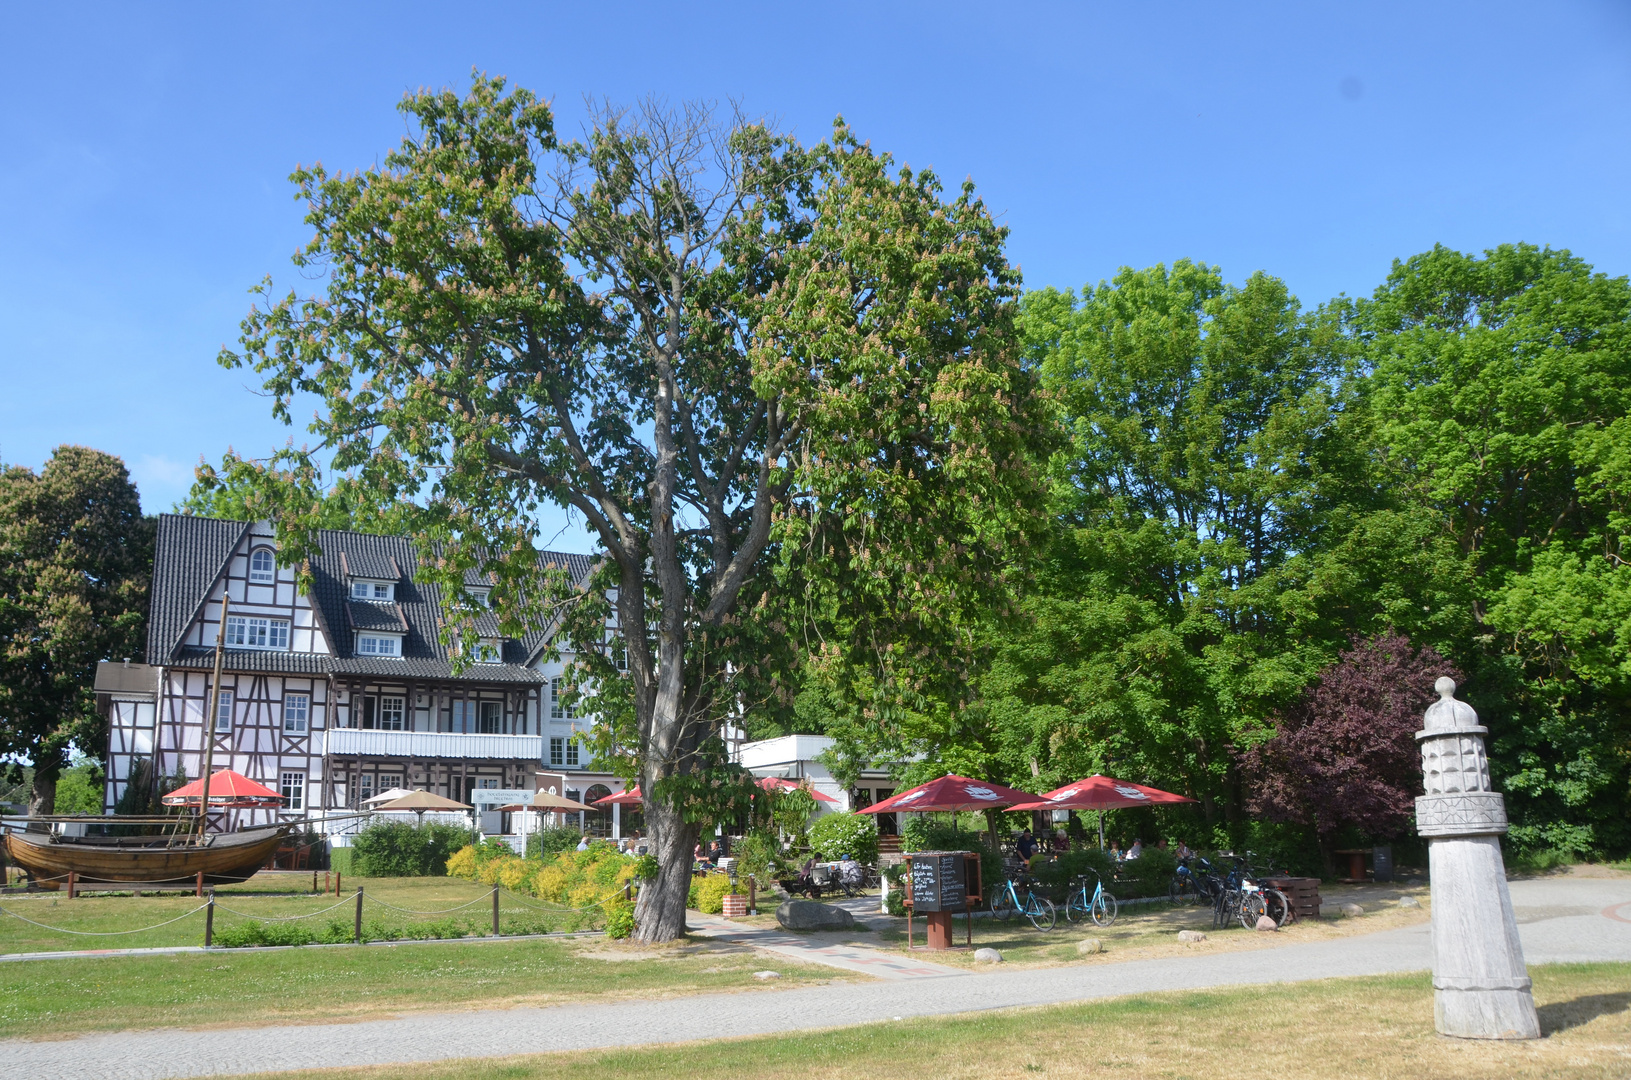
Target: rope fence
(500,904)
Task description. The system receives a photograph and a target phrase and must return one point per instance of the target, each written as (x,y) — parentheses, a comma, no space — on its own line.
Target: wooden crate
(1303,891)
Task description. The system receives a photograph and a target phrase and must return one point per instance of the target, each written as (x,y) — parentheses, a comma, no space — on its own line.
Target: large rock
(809,915)
(988,956)
(1191,935)
(1089,945)
(1352,911)
(1409,901)
(1266,924)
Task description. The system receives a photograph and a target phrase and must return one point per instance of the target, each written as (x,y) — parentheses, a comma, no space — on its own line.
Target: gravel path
(1561,920)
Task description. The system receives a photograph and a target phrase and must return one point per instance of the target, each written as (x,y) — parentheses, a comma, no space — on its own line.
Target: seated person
(1026,846)
(1061,843)
(1115,851)
(1137,849)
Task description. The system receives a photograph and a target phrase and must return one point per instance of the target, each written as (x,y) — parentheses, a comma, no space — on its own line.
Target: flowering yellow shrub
(514,873)
(710,893)
(462,863)
(576,879)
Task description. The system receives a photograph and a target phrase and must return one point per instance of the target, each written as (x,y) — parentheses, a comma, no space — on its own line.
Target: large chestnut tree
(780,385)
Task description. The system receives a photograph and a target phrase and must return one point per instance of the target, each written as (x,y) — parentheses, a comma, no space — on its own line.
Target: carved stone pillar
(1480,983)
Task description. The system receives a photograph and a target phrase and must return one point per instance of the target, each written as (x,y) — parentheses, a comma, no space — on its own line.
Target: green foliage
(645,867)
(758,855)
(837,834)
(75,558)
(551,841)
(80,789)
(926,832)
(398,849)
(896,901)
(1147,875)
(1058,875)
(620,921)
(791,810)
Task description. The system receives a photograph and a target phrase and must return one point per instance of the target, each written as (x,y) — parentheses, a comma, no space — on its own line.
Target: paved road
(1561,920)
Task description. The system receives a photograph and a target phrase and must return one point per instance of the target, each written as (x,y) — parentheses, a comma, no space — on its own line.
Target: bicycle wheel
(1002,905)
(1076,906)
(1104,909)
(1175,890)
(1039,909)
(1279,905)
(1252,908)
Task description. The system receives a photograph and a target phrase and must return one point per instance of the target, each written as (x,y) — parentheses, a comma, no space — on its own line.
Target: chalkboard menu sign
(939,881)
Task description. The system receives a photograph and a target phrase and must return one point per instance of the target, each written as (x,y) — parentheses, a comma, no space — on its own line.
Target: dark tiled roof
(366,615)
(189,555)
(271,660)
(192,553)
(416,668)
(369,564)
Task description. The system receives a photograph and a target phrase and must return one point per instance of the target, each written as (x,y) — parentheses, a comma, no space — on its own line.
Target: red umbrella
(622,798)
(227,788)
(1100,793)
(777,783)
(952,792)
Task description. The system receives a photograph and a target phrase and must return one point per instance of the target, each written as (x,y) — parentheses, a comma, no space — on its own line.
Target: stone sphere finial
(1445,686)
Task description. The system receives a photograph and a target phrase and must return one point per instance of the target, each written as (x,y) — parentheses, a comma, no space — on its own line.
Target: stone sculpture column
(1480,983)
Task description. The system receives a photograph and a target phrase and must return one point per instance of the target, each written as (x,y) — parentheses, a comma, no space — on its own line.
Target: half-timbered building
(332,695)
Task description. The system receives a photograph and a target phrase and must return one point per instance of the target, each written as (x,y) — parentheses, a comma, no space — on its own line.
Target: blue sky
(144,151)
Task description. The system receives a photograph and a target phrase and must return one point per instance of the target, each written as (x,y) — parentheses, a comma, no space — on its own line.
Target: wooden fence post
(753,895)
(495,910)
(73,881)
(209,921)
(357,932)
(199,891)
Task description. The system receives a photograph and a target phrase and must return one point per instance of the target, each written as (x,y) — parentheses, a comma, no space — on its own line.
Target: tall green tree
(75,559)
(285,484)
(1499,392)
(780,384)
(1207,455)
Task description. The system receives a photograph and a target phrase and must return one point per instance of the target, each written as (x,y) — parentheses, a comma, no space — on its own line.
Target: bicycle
(1189,886)
(1007,903)
(1245,900)
(1101,907)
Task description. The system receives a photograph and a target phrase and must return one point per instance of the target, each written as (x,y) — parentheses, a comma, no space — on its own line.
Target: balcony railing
(432,744)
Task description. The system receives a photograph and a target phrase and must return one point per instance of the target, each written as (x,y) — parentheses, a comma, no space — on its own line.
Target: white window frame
(557,750)
(572,751)
(380,592)
(556,709)
(391,714)
(389,780)
(480,597)
(496,708)
(223,712)
(369,645)
(292,786)
(296,713)
(268,576)
(365,788)
(485,652)
(257,632)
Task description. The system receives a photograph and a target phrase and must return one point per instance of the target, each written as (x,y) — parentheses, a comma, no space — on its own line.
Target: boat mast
(215,708)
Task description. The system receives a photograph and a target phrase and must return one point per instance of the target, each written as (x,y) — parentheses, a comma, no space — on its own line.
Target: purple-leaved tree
(1345,753)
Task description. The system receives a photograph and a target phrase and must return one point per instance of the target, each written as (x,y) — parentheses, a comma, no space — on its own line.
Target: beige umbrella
(388,796)
(554,804)
(420,801)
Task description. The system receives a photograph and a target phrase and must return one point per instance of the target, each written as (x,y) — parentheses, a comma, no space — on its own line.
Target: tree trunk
(659,915)
(42,798)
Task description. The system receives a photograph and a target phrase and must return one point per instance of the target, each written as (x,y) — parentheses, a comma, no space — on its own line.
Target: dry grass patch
(1348,1028)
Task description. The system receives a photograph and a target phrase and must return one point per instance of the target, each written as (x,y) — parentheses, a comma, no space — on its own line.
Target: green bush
(1056,876)
(1147,875)
(645,867)
(710,893)
(832,836)
(759,855)
(397,849)
(546,843)
(255,934)
(620,921)
(897,893)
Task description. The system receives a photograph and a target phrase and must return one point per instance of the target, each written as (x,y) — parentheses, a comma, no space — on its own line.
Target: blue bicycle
(1016,897)
(1097,905)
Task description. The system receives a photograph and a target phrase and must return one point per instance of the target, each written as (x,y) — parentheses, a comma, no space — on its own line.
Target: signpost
(940,889)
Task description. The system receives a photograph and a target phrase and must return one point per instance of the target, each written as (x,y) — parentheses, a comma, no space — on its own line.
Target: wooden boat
(223,858)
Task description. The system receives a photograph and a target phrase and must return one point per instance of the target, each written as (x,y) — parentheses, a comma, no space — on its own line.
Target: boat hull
(228,858)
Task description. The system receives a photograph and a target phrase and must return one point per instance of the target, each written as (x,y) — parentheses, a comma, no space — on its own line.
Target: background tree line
(1268,523)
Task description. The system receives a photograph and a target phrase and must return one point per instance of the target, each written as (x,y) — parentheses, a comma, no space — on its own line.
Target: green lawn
(1347,1028)
(54,997)
(238,904)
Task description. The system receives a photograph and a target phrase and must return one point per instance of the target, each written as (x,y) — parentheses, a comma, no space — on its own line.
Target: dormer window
(384,591)
(485,652)
(479,597)
(262,566)
(379,645)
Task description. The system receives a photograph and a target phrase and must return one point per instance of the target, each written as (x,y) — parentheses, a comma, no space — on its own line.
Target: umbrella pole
(1101,830)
